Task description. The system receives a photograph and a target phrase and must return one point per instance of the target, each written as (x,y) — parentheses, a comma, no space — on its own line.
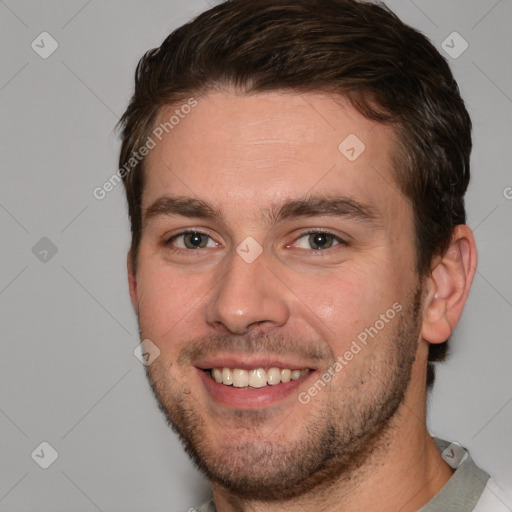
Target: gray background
(68,373)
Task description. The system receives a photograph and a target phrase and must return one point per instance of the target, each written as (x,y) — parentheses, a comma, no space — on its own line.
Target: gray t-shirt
(468,490)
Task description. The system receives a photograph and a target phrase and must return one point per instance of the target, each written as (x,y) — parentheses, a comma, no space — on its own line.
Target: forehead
(238,150)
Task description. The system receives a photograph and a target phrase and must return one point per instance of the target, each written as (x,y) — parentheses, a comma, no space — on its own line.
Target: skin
(244,154)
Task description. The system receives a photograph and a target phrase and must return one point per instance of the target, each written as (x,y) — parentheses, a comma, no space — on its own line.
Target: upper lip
(249,362)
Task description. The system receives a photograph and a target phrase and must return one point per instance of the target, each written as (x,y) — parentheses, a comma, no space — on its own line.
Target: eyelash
(168,242)
(339,240)
(169,245)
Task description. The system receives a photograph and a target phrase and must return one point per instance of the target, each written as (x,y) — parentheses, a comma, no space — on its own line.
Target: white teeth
(256,378)
(217,375)
(240,378)
(274,376)
(285,375)
(227,376)
(295,375)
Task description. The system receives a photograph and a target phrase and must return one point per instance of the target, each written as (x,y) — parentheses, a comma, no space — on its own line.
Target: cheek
(168,304)
(342,305)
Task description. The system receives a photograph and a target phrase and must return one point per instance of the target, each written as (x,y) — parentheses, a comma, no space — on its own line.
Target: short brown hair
(389,72)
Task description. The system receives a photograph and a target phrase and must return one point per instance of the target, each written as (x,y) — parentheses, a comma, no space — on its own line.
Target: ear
(448,286)
(132,282)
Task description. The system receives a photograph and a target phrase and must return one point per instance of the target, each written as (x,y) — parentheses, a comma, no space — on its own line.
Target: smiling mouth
(256,378)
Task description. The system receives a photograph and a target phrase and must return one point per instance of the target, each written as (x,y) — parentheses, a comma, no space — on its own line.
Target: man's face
(267,245)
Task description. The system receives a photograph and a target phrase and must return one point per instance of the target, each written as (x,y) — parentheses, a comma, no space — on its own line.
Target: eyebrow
(169,206)
(316,206)
(312,206)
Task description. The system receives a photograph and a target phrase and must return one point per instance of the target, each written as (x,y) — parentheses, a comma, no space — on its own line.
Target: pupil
(320,240)
(195,240)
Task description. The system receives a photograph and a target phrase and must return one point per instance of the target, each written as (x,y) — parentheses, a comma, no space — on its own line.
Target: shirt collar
(462,492)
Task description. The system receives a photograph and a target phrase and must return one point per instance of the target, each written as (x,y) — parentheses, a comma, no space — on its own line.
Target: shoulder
(495,498)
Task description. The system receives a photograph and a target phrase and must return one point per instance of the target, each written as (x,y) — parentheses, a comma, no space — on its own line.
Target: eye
(318,240)
(191,240)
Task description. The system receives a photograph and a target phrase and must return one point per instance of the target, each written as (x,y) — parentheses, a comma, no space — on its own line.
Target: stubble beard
(334,442)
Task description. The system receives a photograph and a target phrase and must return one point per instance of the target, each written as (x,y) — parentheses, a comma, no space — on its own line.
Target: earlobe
(448,286)
(132,282)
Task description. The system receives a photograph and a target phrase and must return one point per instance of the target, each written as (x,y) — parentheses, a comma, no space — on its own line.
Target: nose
(248,297)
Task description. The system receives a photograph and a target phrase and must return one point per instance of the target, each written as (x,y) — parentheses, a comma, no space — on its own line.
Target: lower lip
(250,398)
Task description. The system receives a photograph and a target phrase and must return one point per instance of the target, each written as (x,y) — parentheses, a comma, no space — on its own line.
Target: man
(295,173)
